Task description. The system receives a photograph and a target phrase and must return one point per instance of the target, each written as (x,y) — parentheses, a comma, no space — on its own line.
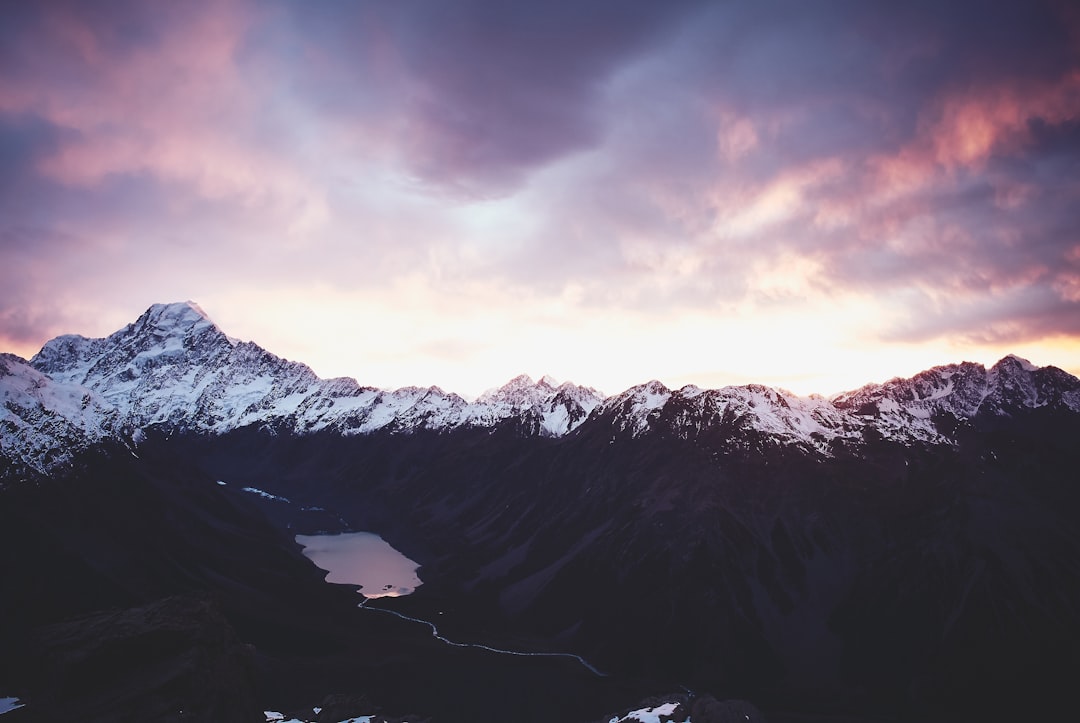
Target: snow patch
(273,716)
(8,704)
(648,715)
(1024,363)
(261,493)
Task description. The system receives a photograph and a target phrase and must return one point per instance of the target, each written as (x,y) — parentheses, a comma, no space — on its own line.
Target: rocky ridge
(845,555)
(42,421)
(174,369)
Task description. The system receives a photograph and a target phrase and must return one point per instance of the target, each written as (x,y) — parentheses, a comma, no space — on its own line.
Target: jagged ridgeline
(906,550)
(174,370)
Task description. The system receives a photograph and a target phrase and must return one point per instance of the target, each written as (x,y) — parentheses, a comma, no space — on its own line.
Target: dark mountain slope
(885,578)
(116,533)
(907,550)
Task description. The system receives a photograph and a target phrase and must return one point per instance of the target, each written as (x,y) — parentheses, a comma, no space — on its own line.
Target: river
(365,559)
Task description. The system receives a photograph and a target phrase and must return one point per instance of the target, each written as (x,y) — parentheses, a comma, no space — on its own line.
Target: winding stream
(365,559)
(435,632)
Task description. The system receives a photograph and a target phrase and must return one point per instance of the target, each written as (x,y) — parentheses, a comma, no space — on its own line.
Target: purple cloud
(633,156)
(481,92)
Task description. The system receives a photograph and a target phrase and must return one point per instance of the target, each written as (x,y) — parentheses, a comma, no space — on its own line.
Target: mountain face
(43,421)
(906,550)
(173,369)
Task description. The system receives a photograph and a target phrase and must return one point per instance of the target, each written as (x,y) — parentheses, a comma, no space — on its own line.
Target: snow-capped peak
(552,409)
(182,318)
(175,369)
(649,396)
(163,337)
(1014,360)
(519,391)
(637,405)
(44,422)
(180,311)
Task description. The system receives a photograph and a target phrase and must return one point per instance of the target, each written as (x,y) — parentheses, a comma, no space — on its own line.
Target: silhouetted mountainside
(905,551)
(135,588)
(898,580)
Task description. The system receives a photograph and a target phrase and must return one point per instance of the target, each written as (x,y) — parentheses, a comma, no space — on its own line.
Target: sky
(810,195)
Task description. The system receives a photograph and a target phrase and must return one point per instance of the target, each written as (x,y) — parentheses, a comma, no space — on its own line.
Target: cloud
(653,160)
(153,89)
(481,93)
(834,143)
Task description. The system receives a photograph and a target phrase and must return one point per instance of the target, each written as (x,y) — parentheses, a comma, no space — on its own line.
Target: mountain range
(904,551)
(174,369)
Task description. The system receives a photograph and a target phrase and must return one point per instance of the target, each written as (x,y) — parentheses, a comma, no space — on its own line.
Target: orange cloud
(964,130)
(746,211)
(177,102)
(968,127)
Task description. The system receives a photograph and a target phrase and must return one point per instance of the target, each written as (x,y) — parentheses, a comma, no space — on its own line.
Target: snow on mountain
(811,421)
(174,368)
(637,407)
(910,407)
(554,408)
(691,412)
(44,422)
(687,708)
(648,715)
(923,408)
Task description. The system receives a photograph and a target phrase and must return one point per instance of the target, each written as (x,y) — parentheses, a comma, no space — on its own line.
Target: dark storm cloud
(786,51)
(898,146)
(57,41)
(484,90)
(25,140)
(657,154)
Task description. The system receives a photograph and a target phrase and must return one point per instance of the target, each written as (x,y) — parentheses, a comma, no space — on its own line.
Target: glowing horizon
(821,375)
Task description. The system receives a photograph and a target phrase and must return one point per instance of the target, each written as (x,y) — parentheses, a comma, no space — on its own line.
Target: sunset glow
(811,196)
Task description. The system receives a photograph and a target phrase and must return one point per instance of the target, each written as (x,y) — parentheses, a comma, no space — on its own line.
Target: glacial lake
(362,558)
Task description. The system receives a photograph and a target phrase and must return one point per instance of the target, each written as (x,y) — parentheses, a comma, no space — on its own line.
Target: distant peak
(1014,360)
(177,310)
(175,321)
(524,381)
(196,308)
(652,386)
(519,389)
(179,316)
(521,381)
